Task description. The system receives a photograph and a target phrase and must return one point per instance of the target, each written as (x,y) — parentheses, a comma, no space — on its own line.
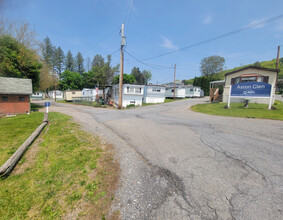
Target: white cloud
(255,24)
(207,20)
(132,7)
(168,44)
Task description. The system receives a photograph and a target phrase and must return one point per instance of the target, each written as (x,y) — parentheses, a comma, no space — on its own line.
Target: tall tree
(47,50)
(89,79)
(79,63)
(16,60)
(138,76)
(104,72)
(147,76)
(46,79)
(98,60)
(87,64)
(58,59)
(19,30)
(211,65)
(71,80)
(129,79)
(69,62)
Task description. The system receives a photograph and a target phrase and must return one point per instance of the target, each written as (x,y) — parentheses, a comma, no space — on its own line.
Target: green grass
(14,131)
(35,107)
(237,110)
(68,173)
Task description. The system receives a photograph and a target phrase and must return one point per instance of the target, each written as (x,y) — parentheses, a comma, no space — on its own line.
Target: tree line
(22,56)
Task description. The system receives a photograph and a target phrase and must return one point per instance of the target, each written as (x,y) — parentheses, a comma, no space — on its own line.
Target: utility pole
(277,60)
(174,79)
(277,66)
(54,74)
(123,43)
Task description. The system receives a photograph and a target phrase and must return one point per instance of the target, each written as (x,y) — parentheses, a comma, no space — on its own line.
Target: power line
(115,51)
(156,66)
(219,37)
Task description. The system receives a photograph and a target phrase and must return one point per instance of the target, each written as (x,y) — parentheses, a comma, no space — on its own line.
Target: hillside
(266,64)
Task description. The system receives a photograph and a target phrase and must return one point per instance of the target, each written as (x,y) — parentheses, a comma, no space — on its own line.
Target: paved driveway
(178,164)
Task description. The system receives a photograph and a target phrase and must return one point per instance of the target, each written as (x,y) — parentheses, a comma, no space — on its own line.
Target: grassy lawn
(35,107)
(66,173)
(14,131)
(237,110)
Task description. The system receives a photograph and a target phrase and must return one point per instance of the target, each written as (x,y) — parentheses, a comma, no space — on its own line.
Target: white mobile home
(180,93)
(70,94)
(91,93)
(154,94)
(37,96)
(132,94)
(59,94)
(193,92)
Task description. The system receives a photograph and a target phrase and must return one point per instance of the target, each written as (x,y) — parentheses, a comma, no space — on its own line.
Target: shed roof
(252,67)
(15,86)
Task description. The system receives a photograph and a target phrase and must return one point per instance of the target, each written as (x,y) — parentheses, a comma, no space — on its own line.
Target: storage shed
(15,95)
(132,94)
(154,94)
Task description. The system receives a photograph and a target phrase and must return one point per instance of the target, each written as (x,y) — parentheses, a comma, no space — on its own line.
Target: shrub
(96,104)
(131,105)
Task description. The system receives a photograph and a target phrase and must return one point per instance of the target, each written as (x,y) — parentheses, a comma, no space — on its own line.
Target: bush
(96,104)
(131,105)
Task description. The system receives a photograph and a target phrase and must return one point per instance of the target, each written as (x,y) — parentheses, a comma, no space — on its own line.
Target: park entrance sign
(251,90)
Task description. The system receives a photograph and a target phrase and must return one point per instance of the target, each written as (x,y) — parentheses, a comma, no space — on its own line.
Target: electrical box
(123,41)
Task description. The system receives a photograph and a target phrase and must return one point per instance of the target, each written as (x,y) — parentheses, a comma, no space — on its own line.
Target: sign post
(47,104)
(229,97)
(270,100)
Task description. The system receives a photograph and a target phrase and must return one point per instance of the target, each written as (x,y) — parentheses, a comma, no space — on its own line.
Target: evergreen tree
(47,51)
(58,60)
(69,62)
(138,76)
(98,60)
(79,63)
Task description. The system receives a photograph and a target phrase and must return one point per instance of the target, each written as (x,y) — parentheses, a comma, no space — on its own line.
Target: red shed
(15,95)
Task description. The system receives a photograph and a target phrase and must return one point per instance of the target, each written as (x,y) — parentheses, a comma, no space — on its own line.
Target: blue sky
(154,27)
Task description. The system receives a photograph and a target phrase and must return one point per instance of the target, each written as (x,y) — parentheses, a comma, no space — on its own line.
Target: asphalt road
(179,164)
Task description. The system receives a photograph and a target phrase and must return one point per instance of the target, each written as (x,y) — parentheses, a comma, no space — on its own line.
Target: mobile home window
(130,90)
(191,90)
(73,92)
(156,90)
(172,90)
(138,90)
(5,98)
